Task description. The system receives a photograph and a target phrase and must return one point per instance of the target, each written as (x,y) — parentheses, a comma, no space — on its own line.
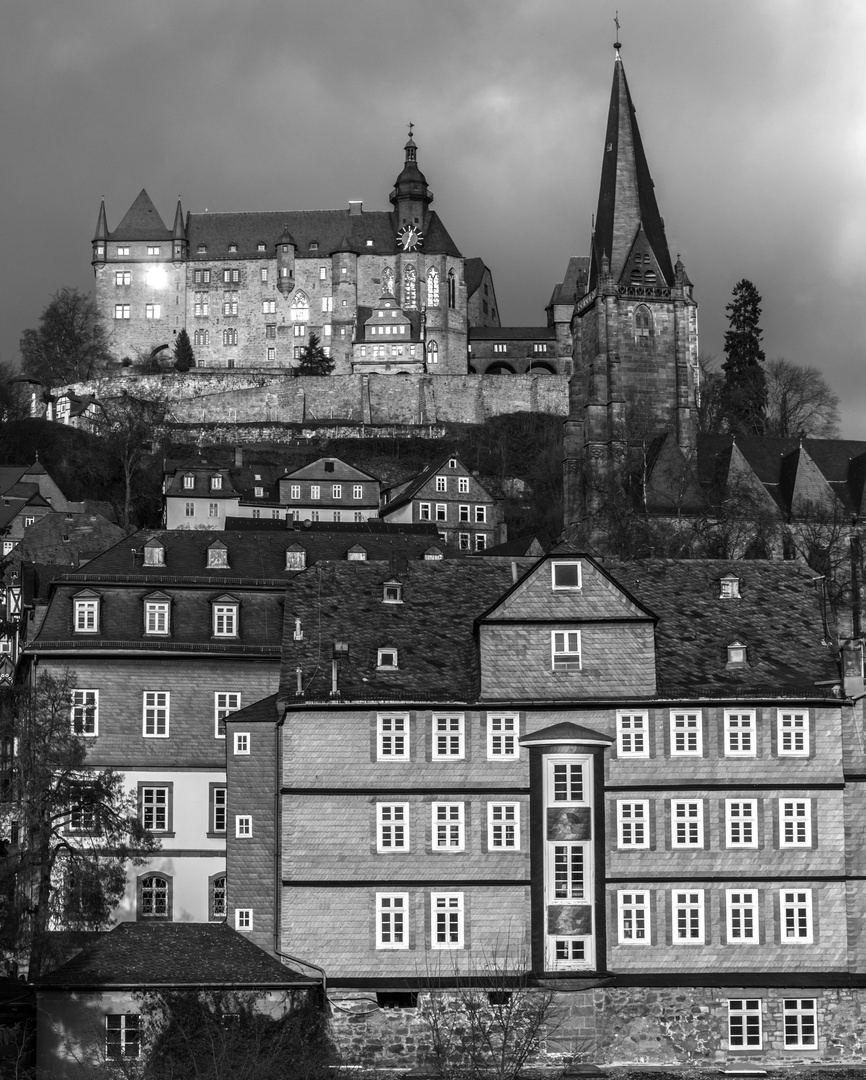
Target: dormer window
(260,247)
(202,249)
(233,248)
(259,492)
(218,556)
(729,587)
(392,593)
(329,466)
(314,245)
(452,463)
(225,617)
(188,481)
(738,654)
(357,554)
(387,659)
(85,613)
(433,554)
(296,558)
(216,483)
(157,613)
(565,575)
(154,553)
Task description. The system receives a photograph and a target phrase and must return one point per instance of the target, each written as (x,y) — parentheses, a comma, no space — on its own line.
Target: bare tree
(799,402)
(70,344)
(710,399)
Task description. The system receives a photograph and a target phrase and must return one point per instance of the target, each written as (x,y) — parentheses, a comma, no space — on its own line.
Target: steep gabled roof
(141,222)
(405,492)
(566,291)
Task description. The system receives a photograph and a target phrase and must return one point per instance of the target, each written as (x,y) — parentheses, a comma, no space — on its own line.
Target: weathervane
(616,44)
(411,125)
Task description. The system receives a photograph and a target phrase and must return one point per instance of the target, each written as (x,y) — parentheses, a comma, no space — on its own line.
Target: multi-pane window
(687,910)
(213,509)
(800,1021)
(201,277)
(153,311)
(793,733)
(357,491)
(242,742)
(223,704)
(86,616)
(795,906)
(480,513)
(742,908)
(462,485)
(315,491)
(503,826)
(295,491)
(565,650)
(122,1036)
(687,823)
(201,304)
(441,511)
(740,734)
(448,826)
(85,712)
(424,511)
(569,871)
(230,336)
(448,737)
(463,540)
(123,249)
(154,807)
(566,781)
(633,911)
(218,897)
(153,249)
(392,827)
(569,952)
(155,713)
(795,822)
(243,918)
(446,920)
(502,731)
(480,541)
(463,512)
(225,620)
(189,509)
(744,1023)
(441,483)
(269,307)
(392,920)
(218,810)
(230,276)
(686,734)
(83,815)
(121,311)
(393,737)
(632,734)
(122,277)
(336,491)
(741,823)
(243,826)
(633,824)
(156,616)
(154,897)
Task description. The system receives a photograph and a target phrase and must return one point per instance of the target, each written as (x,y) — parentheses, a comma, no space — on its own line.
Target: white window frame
(740,1012)
(792,732)
(448,737)
(632,734)
(687,823)
(157,703)
(795,902)
(315,491)
(480,515)
(502,816)
(687,733)
(441,512)
(633,824)
(357,491)
(448,826)
(85,710)
(690,904)
(295,491)
(561,887)
(632,905)
(741,733)
(392,828)
(157,617)
(243,826)
(119,1053)
(441,484)
(554,764)
(225,620)
(503,733)
(464,512)
(739,823)
(794,1012)
(569,945)
(86,615)
(793,822)
(450,906)
(222,708)
(244,919)
(242,743)
(156,807)
(424,511)
(742,905)
(219,809)
(392,743)
(566,652)
(571,564)
(384,658)
(391,933)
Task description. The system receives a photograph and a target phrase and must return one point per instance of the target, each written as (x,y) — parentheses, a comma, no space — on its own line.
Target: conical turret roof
(141,222)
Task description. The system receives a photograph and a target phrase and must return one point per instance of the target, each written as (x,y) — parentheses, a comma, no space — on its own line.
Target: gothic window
(649,276)
(433,288)
(388,280)
(410,287)
(432,352)
(643,326)
(452,289)
(301,308)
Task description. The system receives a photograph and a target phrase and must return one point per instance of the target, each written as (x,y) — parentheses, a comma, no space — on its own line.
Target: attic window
(387,659)
(296,558)
(329,466)
(432,554)
(259,492)
(202,249)
(189,481)
(314,245)
(216,483)
(357,554)
(218,555)
(233,247)
(392,593)
(369,243)
(452,463)
(738,654)
(154,554)
(260,247)
(566,575)
(729,588)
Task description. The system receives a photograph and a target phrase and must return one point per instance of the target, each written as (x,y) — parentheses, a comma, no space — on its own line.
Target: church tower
(634,325)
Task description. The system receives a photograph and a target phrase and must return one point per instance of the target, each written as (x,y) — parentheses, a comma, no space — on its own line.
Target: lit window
(446,920)
(356,554)
(156,616)
(223,704)
(432,288)
(448,737)
(269,307)
(189,481)
(121,311)
(231,276)
(687,823)
(296,558)
(740,734)
(244,919)
(153,311)
(122,1030)
(271,355)
(633,914)
(793,733)
(230,337)
(392,920)
(201,277)
(122,249)
(800,1018)
(795,823)
(633,824)
(744,1023)
(201,306)
(742,909)
(565,650)
(500,348)
(323,273)
(502,732)
(686,735)
(392,827)
(741,823)
(243,826)
(154,554)
(503,826)
(86,616)
(152,249)
(688,917)
(393,737)
(225,620)
(123,277)
(154,807)
(85,712)
(432,352)
(155,714)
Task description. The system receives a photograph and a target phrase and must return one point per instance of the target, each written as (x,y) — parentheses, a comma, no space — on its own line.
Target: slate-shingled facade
(641,773)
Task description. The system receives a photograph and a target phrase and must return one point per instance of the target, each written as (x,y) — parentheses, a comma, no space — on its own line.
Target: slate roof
(135,955)
(521,546)
(141,222)
(511,333)
(405,492)
(566,291)
(315,470)
(10,475)
(473,274)
(87,535)
(432,629)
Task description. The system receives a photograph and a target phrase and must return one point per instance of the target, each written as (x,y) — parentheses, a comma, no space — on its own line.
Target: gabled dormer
(217,556)
(154,552)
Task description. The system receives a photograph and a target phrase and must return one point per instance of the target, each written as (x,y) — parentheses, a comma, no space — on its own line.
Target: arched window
(410,287)
(388,280)
(452,289)
(301,308)
(217,897)
(643,325)
(650,277)
(154,897)
(433,288)
(201,337)
(432,352)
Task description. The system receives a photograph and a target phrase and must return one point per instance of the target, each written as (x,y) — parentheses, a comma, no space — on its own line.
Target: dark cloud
(752,116)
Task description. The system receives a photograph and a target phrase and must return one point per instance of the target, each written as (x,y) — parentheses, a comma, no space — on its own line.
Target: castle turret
(410,197)
(286,262)
(179,241)
(100,237)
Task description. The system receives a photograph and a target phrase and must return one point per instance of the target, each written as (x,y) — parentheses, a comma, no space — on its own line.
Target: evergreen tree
(745,385)
(184,357)
(313,359)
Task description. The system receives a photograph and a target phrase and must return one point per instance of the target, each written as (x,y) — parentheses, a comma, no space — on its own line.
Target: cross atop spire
(616,44)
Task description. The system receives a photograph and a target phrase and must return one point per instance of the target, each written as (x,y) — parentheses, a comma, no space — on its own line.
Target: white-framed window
(795,823)
(632,823)
(315,491)
(155,807)
(85,712)
(686,734)
(632,734)
(217,556)
(565,650)
(243,825)
(793,733)
(800,1022)
(156,616)
(687,909)
(392,920)
(188,482)
(153,249)
(242,742)
(740,733)
(446,920)
(742,911)
(295,491)
(687,823)
(464,540)
(565,575)
(795,908)
(153,311)
(225,620)
(463,512)
(744,1024)
(633,917)
(218,809)
(462,485)
(741,823)
(357,491)
(244,919)
(569,870)
(154,554)
(392,737)
(441,483)
(386,659)
(448,826)
(503,730)
(86,616)
(155,713)
(121,311)
(296,558)
(441,511)
(336,491)
(122,1035)
(424,511)
(392,827)
(448,737)
(567,781)
(216,483)
(480,541)
(570,952)
(189,509)
(481,513)
(213,510)
(503,826)
(224,702)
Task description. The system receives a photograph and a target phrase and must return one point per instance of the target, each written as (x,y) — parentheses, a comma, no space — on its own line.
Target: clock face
(409,237)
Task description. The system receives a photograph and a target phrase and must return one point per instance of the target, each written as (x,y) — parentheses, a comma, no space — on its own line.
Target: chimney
(239,457)
(355,207)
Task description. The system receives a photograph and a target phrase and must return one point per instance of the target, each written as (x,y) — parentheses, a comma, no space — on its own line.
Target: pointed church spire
(178,232)
(626,200)
(101,224)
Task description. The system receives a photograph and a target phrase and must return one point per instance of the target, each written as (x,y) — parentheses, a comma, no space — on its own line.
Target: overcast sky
(751,111)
